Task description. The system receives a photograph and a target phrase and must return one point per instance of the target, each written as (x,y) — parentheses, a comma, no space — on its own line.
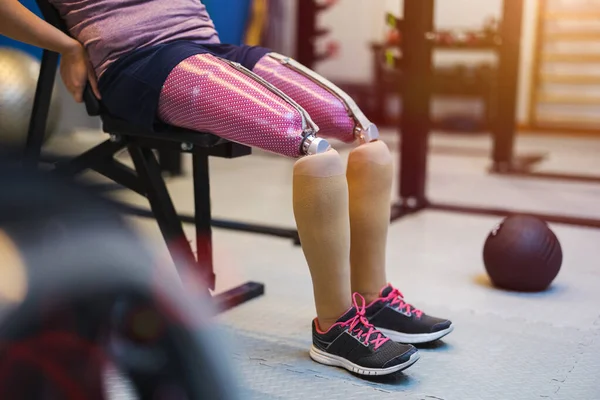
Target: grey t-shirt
(110,29)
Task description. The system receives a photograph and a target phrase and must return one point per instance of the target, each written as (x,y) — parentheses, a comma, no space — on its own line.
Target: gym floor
(505,345)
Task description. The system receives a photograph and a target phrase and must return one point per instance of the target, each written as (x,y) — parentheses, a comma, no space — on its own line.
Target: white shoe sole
(415,338)
(336,361)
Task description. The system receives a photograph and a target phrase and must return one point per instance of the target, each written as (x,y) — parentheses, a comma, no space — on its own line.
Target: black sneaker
(402,322)
(354,344)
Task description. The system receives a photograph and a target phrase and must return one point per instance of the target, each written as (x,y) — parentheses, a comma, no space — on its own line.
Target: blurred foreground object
(91,303)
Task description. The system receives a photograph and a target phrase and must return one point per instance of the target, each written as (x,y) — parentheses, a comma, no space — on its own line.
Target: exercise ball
(18,80)
(522,254)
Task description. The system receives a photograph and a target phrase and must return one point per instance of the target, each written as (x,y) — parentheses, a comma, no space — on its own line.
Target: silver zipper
(308,125)
(349,104)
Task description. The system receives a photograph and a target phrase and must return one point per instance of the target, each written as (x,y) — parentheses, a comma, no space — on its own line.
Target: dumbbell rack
(505,42)
(565,67)
(415,124)
(477,83)
(308,32)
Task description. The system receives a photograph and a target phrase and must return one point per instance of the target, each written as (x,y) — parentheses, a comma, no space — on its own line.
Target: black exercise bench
(146,178)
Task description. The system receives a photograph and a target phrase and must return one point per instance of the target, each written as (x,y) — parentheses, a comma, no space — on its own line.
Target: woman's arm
(18,23)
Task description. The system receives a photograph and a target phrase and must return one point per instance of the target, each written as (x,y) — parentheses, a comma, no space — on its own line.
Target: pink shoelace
(357,323)
(397,299)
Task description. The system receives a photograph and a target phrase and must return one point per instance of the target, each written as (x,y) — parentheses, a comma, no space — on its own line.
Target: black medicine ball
(522,254)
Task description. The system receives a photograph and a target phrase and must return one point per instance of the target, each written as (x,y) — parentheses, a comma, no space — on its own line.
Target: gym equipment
(393,38)
(307,33)
(459,38)
(564,41)
(465,39)
(85,270)
(546,78)
(416,123)
(146,178)
(458,81)
(523,254)
(393,35)
(505,162)
(18,79)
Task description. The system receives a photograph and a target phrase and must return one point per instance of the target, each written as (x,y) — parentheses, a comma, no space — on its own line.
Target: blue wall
(34,51)
(230,18)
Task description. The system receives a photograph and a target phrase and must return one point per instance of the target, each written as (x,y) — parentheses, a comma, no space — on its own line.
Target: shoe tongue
(386,291)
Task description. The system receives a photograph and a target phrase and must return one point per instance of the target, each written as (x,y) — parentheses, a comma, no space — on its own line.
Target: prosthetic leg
(332,109)
(370,169)
(210,94)
(342,216)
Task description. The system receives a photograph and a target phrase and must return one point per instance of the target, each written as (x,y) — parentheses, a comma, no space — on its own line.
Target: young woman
(161,61)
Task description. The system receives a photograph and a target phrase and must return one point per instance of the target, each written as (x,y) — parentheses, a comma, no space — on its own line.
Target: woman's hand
(18,23)
(76,71)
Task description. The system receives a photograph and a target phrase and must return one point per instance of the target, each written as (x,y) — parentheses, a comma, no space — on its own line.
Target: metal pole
(41,107)
(416,100)
(305,32)
(202,221)
(505,118)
